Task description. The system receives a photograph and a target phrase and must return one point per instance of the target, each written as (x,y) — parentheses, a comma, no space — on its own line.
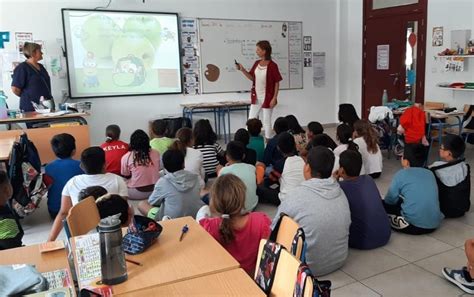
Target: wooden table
(41,137)
(43,262)
(234,282)
(6,145)
(169,261)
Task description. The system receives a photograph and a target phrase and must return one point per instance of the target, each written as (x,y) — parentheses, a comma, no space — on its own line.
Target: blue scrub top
(33,84)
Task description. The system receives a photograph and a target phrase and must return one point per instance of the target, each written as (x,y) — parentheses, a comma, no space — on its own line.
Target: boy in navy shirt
(61,170)
(370,227)
(412,200)
(271,154)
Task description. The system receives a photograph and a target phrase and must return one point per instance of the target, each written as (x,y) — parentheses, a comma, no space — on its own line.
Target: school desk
(41,137)
(169,260)
(43,262)
(6,145)
(220,110)
(234,282)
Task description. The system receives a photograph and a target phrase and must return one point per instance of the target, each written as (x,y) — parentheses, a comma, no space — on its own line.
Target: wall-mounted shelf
(457,89)
(455,56)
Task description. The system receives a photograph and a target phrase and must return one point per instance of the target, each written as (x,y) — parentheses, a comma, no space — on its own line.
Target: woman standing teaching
(266,83)
(30,78)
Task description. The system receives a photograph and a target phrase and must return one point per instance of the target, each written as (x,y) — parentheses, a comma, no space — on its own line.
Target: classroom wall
(320,20)
(452,15)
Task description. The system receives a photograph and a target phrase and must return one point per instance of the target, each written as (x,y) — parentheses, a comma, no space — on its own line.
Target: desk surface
(228,283)
(168,260)
(35,117)
(215,104)
(6,145)
(44,262)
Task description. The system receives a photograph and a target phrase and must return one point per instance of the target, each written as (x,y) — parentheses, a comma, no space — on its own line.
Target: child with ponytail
(344,136)
(114,149)
(237,231)
(367,140)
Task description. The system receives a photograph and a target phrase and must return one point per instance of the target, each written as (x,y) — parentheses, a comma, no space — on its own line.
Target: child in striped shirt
(205,141)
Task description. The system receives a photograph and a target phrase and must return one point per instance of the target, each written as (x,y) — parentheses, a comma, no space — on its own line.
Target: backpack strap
(449,164)
(294,244)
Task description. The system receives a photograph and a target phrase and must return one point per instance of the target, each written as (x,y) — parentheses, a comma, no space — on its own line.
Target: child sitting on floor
(205,140)
(243,137)
(141,166)
(320,207)
(314,128)
(412,200)
(114,149)
(176,194)
(453,177)
(366,139)
(11,232)
(256,142)
(61,170)
(237,231)
(370,228)
(160,143)
(234,155)
(93,163)
(301,139)
(344,135)
(272,154)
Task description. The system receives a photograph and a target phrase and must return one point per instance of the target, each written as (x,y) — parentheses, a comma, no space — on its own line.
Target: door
(393,54)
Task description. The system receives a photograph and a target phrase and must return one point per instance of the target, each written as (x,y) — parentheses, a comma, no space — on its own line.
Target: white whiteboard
(222,41)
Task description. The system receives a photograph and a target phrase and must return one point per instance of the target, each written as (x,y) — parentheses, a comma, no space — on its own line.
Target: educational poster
(190,56)
(21,38)
(437,36)
(383,57)
(4,37)
(295,54)
(10,59)
(308,58)
(319,69)
(307,43)
(454,64)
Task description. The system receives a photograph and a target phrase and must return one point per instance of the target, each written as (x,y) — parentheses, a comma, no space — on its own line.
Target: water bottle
(3,106)
(112,256)
(384,97)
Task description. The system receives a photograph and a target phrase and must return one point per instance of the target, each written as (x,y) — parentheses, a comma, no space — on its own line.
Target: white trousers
(267,118)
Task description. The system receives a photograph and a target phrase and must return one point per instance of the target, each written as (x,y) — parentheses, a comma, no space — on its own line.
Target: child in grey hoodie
(452,176)
(321,208)
(176,194)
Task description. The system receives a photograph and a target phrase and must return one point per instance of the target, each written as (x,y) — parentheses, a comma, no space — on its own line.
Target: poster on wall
(437,36)
(383,57)
(21,38)
(190,56)
(319,69)
(307,59)
(307,43)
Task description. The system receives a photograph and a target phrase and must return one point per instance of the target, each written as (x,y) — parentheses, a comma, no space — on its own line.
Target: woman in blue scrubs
(30,78)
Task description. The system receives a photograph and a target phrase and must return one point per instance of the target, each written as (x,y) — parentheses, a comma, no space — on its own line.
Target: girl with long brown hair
(367,140)
(237,231)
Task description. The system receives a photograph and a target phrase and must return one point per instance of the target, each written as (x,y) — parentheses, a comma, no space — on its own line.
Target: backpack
(320,288)
(267,266)
(454,201)
(26,177)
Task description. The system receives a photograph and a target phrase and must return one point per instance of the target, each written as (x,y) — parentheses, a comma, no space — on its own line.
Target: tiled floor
(407,266)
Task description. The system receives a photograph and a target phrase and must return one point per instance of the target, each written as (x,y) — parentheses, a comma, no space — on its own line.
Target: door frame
(420,10)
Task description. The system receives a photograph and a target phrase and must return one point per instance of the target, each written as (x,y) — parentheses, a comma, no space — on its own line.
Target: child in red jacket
(412,126)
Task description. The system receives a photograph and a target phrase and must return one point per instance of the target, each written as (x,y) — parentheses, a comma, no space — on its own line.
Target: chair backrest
(83,217)
(286,234)
(285,275)
(434,105)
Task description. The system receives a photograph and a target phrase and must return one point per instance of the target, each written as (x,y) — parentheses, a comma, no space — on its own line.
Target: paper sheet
(319,69)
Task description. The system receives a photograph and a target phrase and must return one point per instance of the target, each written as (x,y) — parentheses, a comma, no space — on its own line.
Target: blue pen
(183,231)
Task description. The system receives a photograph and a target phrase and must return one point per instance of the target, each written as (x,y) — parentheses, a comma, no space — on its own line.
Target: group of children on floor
(327,188)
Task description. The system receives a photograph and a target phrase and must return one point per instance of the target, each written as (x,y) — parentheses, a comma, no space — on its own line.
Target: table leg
(228,121)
